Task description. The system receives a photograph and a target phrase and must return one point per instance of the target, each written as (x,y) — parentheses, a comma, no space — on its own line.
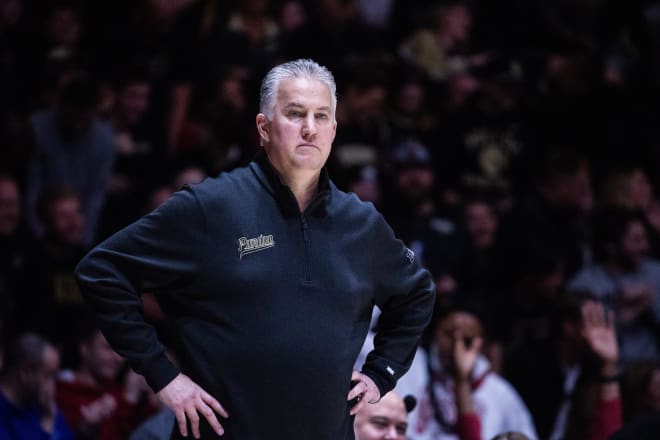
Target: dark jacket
(271,305)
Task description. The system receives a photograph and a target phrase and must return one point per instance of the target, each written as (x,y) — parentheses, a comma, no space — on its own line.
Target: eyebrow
(296,105)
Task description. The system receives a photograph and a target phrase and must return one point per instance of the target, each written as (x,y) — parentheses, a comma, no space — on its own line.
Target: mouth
(308,145)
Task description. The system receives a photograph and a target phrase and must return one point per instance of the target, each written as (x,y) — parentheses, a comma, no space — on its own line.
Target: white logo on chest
(250,245)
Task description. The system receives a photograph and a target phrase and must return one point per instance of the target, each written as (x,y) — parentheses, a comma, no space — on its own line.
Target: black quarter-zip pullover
(272,305)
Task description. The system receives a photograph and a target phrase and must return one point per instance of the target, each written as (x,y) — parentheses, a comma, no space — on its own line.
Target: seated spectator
(27,392)
(630,188)
(387,419)
(459,396)
(442,49)
(51,302)
(553,374)
(96,401)
(625,279)
(14,241)
(73,148)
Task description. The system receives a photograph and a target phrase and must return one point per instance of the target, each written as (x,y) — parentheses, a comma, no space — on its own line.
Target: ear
(263,127)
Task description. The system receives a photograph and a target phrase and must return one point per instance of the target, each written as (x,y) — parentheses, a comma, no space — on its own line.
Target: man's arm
(160,252)
(405,294)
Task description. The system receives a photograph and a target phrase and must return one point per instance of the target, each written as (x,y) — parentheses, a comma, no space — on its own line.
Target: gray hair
(302,68)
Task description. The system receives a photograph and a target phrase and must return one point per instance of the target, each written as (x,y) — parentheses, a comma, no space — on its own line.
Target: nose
(309,126)
(391,433)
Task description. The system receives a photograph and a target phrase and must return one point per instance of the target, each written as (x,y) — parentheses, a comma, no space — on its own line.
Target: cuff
(161,372)
(384,383)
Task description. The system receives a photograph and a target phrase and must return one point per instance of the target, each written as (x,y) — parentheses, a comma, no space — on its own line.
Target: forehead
(460,320)
(304,92)
(391,409)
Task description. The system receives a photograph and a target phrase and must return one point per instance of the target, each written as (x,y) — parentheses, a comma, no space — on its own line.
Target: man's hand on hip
(365,390)
(187,400)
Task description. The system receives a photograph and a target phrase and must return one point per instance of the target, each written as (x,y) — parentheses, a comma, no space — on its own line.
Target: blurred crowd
(514,146)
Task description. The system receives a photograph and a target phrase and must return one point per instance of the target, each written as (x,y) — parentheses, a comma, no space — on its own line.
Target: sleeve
(607,420)
(159,253)
(405,294)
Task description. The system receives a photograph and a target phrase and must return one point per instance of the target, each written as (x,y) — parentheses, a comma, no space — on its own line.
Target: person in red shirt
(101,399)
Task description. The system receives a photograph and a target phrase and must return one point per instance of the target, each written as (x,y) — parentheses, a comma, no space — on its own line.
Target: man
(27,392)
(386,420)
(626,279)
(97,400)
(50,301)
(459,395)
(269,274)
(75,148)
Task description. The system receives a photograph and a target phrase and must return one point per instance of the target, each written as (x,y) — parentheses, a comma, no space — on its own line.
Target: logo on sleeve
(251,245)
(410,255)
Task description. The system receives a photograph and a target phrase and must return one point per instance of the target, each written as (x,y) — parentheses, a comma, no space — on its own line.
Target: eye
(295,114)
(322,116)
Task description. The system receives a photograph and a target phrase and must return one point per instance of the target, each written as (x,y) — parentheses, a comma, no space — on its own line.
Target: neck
(303,186)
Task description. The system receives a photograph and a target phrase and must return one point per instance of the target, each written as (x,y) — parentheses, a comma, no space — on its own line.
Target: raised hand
(598,331)
(466,351)
(187,400)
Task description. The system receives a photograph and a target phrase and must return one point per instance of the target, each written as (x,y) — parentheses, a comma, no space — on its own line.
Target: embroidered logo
(410,255)
(250,245)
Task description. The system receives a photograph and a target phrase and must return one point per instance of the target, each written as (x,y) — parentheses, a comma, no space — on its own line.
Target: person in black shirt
(269,274)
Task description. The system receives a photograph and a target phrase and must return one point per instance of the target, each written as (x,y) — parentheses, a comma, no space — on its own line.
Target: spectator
(551,218)
(625,279)
(630,188)
(74,148)
(27,392)
(50,301)
(459,396)
(443,48)
(553,374)
(95,401)
(385,420)
(13,246)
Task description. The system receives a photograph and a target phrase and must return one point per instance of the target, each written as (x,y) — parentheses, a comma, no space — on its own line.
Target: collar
(269,177)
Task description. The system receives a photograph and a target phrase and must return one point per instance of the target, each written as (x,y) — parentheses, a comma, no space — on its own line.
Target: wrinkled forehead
(304,92)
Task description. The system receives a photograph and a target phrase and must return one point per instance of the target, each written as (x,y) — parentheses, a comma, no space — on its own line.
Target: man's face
(385,420)
(415,182)
(42,379)
(134,101)
(634,244)
(101,360)
(67,220)
(456,323)
(299,136)
(10,207)
(481,223)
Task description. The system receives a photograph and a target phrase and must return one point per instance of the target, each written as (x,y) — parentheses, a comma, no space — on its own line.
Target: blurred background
(513,145)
